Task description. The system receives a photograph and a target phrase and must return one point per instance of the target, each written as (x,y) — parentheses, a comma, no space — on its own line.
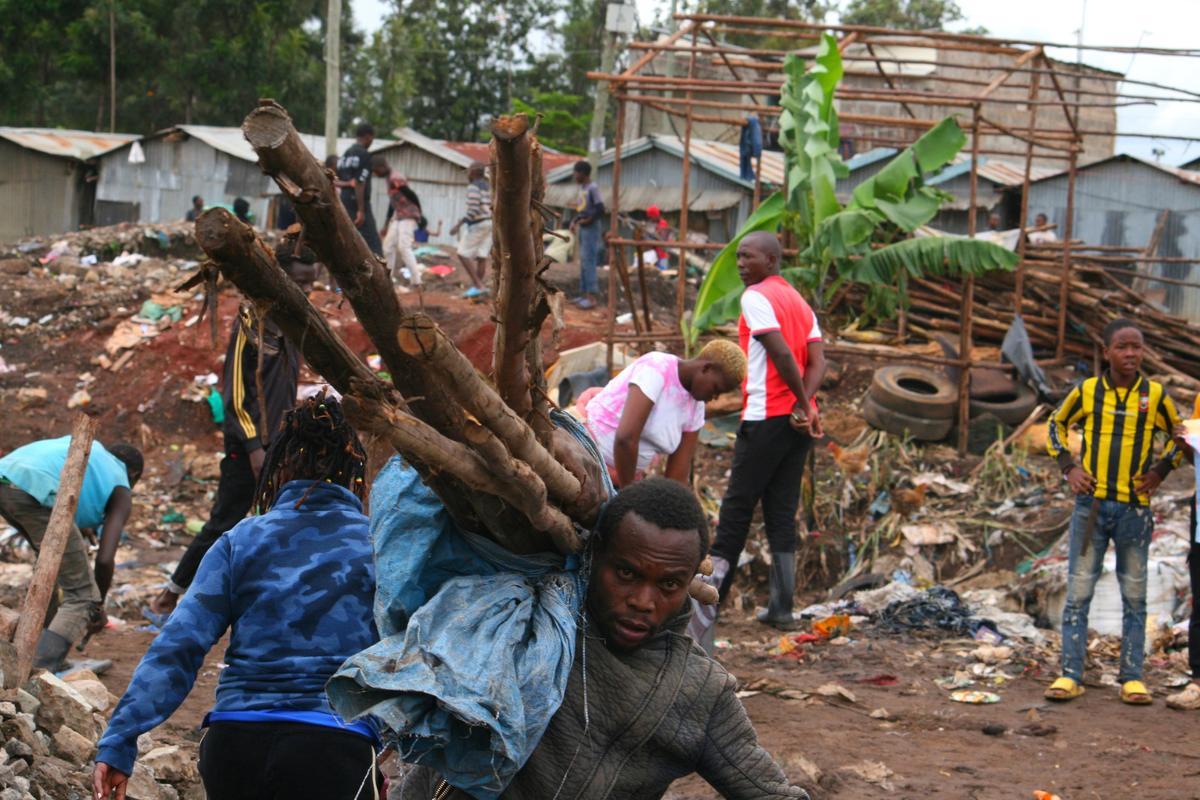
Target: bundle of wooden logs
(488,448)
(1097,294)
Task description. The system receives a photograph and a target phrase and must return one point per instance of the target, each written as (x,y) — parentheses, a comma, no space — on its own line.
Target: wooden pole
(968,300)
(1064,287)
(681,282)
(615,229)
(1019,285)
(54,543)
(112,65)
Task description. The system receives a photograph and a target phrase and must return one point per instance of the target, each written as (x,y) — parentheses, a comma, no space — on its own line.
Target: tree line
(442,67)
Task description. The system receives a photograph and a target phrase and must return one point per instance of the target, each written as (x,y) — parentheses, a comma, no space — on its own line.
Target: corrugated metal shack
(437,171)
(48,178)
(1118,203)
(652,173)
(155,178)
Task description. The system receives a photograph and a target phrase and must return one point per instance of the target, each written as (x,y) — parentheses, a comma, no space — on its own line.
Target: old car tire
(1011,409)
(919,428)
(918,392)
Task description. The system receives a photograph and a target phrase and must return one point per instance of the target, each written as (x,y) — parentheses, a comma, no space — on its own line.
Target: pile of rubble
(50,728)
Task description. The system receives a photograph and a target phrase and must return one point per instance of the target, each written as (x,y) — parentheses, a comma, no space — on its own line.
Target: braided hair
(315,442)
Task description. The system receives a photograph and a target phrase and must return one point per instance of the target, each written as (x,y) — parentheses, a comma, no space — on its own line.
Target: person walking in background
(400,225)
(354,179)
(29,479)
(785,365)
(662,233)
(1112,481)
(246,431)
(475,245)
(196,210)
(294,586)
(587,225)
(241,210)
(1188,698)
(655,406)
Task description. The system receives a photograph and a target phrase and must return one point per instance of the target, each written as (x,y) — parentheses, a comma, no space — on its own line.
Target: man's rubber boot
(51,651)
(783,590)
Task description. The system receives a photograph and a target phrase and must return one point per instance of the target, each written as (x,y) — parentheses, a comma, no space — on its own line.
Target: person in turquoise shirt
(28,487)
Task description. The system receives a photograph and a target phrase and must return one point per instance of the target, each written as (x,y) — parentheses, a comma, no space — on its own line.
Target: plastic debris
(834,690)
(833,626)
(937,607)
(974,697)
(194,525)
(80,398)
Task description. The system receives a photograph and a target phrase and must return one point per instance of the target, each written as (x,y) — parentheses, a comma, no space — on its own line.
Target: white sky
(1152,23)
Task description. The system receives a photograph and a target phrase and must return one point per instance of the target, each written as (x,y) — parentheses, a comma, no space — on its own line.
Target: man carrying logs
(644,704)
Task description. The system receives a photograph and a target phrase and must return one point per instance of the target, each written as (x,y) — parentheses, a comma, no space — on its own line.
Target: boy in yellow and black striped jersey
(1122,413)
(249,420)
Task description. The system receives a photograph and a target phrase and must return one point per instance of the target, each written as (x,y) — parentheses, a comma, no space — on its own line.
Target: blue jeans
(1129,527)
(590,242)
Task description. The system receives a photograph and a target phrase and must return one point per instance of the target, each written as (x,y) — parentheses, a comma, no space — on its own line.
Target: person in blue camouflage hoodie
(295,585)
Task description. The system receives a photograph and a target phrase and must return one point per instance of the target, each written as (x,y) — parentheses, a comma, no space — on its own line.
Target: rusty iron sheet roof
(80,145)
(566,195)
(721,158)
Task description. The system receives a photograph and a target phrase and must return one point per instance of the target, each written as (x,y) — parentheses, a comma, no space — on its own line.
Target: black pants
(286,761)
(768,463)
(235,496)
(1194,622)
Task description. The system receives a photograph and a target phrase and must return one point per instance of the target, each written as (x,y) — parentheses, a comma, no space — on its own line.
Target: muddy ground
(921,745)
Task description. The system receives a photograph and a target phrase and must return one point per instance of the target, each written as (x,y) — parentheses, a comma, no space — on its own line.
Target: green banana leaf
(934,255)
(717,300)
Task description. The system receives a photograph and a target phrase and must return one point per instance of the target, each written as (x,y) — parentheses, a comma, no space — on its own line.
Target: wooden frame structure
(757,73)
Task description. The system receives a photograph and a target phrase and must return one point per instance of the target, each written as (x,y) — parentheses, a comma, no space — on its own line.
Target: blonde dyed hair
(726,355)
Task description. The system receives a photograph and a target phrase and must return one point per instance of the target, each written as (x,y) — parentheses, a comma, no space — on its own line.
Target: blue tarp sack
(476,643)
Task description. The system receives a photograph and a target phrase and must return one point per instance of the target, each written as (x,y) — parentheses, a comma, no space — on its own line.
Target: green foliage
(919,15)
(203,61)
(561,127)
(856,242)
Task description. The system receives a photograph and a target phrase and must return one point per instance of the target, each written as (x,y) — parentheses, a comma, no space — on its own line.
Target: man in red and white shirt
(782,340)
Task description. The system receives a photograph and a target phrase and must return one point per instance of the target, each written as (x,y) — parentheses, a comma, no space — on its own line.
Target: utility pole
(333,75)
(618,19)
(112,66)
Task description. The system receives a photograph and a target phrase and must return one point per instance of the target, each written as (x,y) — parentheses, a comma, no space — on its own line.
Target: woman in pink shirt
(655,406)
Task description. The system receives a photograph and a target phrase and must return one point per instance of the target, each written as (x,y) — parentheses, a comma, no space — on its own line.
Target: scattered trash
(173,517)
(216,406)
(1038,794)
(991,654)
(440,270)
(974,697)
(994,729)
(937,607)
(1037,729)
(89,260)
(959,680)
(194,525)
(834,690)
(882,679)
(881,713)
(80,398)
(832,626)
(930,533)
(874,772)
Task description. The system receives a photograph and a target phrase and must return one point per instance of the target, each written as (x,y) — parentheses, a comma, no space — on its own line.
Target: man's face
(754,264)
(474,174)
(366,140)
(640,580)
(1125,351)
(580,177)
(1040,220)
(994,222)
(305,275)
(198,203)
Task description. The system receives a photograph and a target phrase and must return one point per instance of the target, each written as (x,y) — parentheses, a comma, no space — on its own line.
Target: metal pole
(968,300)
(600,106)
(681,282)
(333,74)
(1068,230)
(112,65)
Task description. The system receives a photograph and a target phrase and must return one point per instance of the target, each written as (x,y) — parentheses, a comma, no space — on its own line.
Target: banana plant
(857,242)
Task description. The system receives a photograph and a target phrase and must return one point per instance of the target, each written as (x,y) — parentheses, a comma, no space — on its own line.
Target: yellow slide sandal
(1063,689)
(1135,693)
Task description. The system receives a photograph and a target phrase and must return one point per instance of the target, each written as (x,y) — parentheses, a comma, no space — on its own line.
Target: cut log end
(267,126)
(510,126)
(703,592)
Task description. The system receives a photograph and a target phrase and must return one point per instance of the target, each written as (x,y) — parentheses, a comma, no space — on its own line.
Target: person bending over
(295,587)
(29,479)
(655,406)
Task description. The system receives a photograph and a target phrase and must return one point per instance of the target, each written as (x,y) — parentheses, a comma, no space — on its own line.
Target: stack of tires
(922,403)
(911,401)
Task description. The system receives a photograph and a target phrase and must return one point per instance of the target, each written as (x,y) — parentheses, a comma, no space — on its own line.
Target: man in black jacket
(250,419)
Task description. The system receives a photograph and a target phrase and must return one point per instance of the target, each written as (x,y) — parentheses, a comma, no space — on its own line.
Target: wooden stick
(54,543)
(511,209)
(1035,415)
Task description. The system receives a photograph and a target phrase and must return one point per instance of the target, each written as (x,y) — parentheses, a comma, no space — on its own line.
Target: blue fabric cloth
(1129,527)
(295,585)
(477,645)
(321,719)
(35,468)
(750,146)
